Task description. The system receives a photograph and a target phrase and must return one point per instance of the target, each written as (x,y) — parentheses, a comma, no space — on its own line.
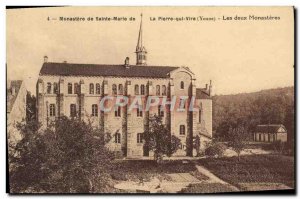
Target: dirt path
(213,178)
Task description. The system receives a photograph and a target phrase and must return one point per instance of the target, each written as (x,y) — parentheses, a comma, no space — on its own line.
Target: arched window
(118,138)
(114,89)
(52,110)
(139,111)
(157,90)
(73,110)
(117,111)
(182,103)
(161,111)
(136,89)
(69,88)
(76,88)
(139,138)
(91,88)
(120,89)
(98,89)
(182,130)
(55,88)
(95,110)
(181,85)
(164,90)
(142,89)
(48,87)
(200,113)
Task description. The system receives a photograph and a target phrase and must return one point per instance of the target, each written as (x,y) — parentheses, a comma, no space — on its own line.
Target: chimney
(45,59)
(206,86)
(126,62)
(210,88)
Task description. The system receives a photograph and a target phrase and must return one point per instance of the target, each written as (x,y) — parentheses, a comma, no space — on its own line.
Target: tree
(67,157)
(159,139)
(30,107)
(238,138)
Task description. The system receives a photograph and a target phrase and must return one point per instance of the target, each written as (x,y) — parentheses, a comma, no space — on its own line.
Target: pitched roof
(10,97)
(269,128)
(202,94)
(68,69)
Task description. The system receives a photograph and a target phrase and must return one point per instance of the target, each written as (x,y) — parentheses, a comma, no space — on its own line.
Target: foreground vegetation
(252,169)
(138,170)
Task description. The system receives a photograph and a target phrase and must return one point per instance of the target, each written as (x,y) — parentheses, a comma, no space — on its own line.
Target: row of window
(139,138)
(95,111)
(117,111)
(138,90)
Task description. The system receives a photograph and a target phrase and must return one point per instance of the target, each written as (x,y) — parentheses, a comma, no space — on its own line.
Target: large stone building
(76,90)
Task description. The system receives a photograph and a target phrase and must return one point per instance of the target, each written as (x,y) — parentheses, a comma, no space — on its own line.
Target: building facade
(270,133)
(77,90)
(16,108)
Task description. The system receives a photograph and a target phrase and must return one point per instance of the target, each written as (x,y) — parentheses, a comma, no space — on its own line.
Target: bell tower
(141,53)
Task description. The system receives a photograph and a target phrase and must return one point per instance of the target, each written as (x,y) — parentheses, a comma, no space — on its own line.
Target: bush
(215,149)
(278,146)
(67,157)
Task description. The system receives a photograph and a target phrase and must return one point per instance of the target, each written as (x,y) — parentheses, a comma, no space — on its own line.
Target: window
(274,138)
(181,85)
(76,86)
(160,111)
(69,88)
(91,88)
(142,89)
(73,110)
(164,90)
(55,88)
(136,89)
(117,138)
(117,111)
(52,110)
(182,130)
(200,115)
(182,103)
(95,110)
(120,89)
(200,112)
(259,137)
(269,139)
(48,87)
(114,89)
(139,111)
(98,88)
(157,90)
(139,138)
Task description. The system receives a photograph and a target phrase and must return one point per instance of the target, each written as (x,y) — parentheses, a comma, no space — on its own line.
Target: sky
(237,55)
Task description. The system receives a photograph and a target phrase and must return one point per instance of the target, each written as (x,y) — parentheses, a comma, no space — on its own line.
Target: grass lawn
(135,170)
(252,169)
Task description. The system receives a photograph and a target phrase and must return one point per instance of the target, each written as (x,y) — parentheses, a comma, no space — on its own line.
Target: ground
(226,174)
(252,169)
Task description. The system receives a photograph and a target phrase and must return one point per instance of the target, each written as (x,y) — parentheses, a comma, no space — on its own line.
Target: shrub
(278,146)
(67,157)
(215,149)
